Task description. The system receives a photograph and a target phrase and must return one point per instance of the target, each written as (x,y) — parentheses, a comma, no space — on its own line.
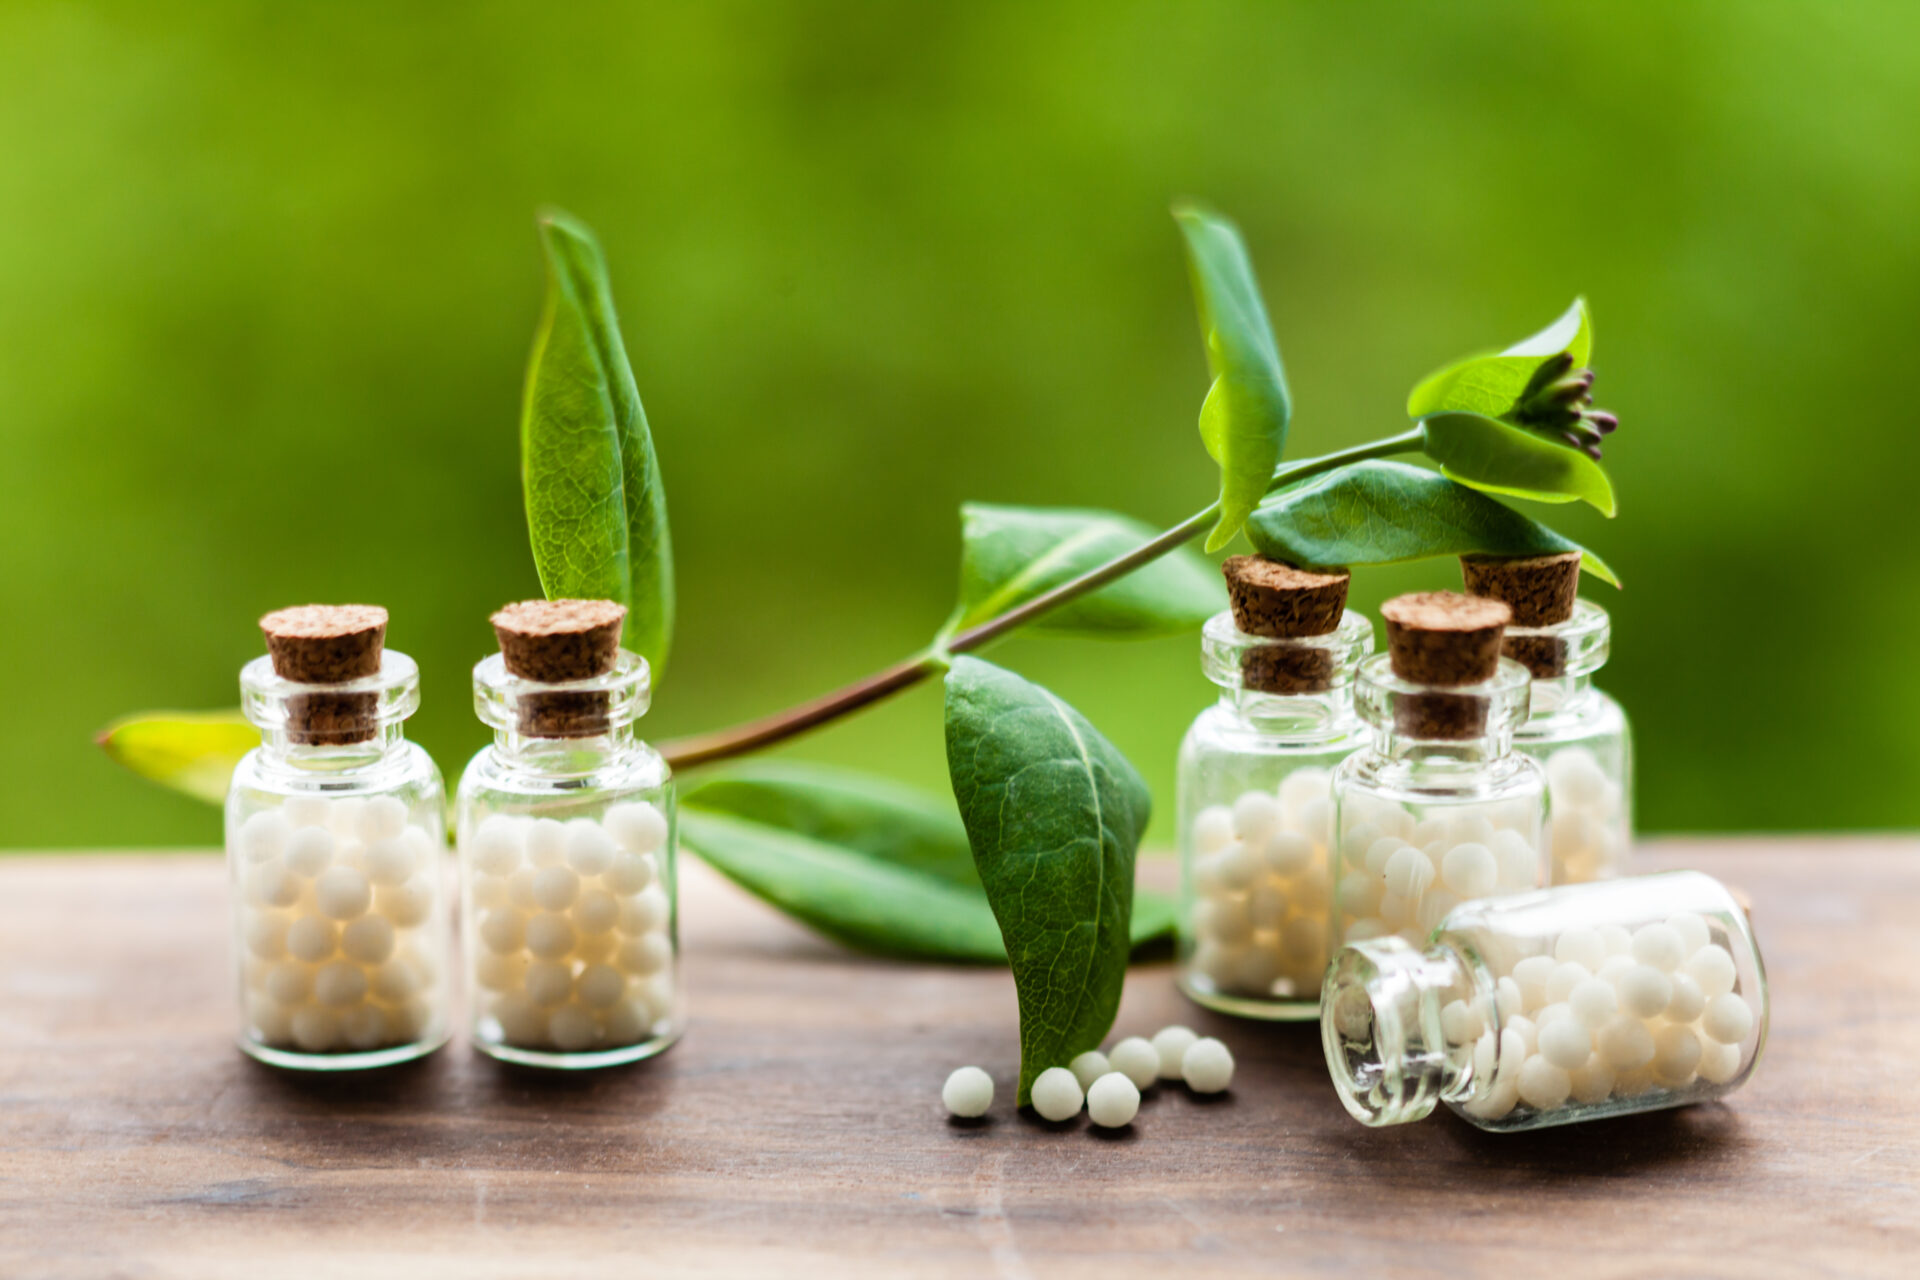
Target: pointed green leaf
(596,509)
(1243,421)
(1386,512)
(1009,555)
(873,864)
(193,752)
(1489,455)
(1054,814)
(1491,384)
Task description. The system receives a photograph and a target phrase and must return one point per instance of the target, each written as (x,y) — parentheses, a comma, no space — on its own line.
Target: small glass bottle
(1567,1004)
(566,838)
(335,844)
(1438,808)
(1575,731)
(1255,811)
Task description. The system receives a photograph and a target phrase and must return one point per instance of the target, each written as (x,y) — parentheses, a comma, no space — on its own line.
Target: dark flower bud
(1558,403)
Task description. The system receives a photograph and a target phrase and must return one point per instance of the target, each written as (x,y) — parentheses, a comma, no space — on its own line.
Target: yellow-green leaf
(1243,421)
(1491,384)
(1492,456)
(193,752)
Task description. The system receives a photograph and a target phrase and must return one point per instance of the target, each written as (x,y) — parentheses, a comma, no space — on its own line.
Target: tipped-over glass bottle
(335,841)
(1575,731)
(566,838)
(1255,813)
(1437,808)
(1566,1004)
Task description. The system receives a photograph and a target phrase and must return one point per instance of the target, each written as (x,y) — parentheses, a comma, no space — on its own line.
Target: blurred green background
(268,278)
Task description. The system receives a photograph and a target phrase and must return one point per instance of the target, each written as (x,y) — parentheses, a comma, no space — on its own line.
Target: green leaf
(193,752)
(1243,421)
(868,862)
(1009,555)
(1054,814)
(1386,512)
(1497,458)
(1491,384)
(596,509)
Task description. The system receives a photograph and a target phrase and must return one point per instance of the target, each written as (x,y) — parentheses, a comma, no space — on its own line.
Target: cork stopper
(1287,669)
(1539,589)
(328,644)
(553,641)
(1273,598)
(1444,638)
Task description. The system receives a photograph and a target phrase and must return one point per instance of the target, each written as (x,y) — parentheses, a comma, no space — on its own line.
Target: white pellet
(496,846)
(645,911)
(1687,1002)
(1625,1042)
(1207,1066)
(1565,977)
(1470,870)
(1409,873)
(1645,990)
(1056,1095)
(647,954)
(1088,1067)
(555,888)
(1566,1043)
(1461,1022)
(1112,1100)
(639,827)
(1583,947)
(263,835)
(546,842)
(384,818)
(1727,1019)
(306,811)
(1713,969)
(1692,930)
(1676,1054)
(596,911)
(1212,829)
(600,986)
(1288,853)
(572,1028)
(590,850)
(1719,1063)
(1532,974)
(312,938)
(1594,1001)
(309,851)
(1172,1043)
(967,1093)
(1256,815)
(390,860)
(289,982)
(266,933)
(629,873)
(549,935)
(406,904)
(1543,1085)
(549,982)
(342,892)
(1659,945)
(1137,1060)
(1592,1082)
(315,1028)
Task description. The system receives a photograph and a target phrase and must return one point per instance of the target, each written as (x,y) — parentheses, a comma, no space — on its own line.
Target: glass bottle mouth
(1381,1030)
(562,708)
(1493,708)
(355,710)
(1259,667)
(1576,647)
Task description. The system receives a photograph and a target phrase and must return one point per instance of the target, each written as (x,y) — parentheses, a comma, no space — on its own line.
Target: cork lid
(1276,599)
(557,640)
(326,643)
(1444,638)
(1539,589)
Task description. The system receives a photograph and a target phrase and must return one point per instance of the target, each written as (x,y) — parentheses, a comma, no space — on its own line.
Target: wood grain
(798,1129)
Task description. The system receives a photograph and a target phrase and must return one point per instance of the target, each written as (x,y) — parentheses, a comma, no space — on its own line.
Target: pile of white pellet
(337,898)
(1402,874)
(1607,1013)
(573,946)
(1107,1084)
(1588,831)
(1261,884)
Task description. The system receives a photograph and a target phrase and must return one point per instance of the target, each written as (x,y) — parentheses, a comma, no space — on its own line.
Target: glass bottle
(1438,807)
(567,842)
(1565,1004)
(1580,736)
(335,840)
(1255,815)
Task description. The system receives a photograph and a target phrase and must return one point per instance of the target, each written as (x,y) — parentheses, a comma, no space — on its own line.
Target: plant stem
(723,744)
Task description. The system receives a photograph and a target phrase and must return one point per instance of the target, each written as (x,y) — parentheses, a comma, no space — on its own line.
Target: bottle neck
(1400,1028)
(1448,726)
(351,728)
(565,757)
(1298,688)
(279,751)
(1299,716)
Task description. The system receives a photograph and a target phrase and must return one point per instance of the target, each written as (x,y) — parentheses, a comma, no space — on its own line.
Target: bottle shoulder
(1597,715)
(407,767)
(1219,730)
(641,771)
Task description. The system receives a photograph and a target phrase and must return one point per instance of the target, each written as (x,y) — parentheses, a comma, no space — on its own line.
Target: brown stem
(754,734)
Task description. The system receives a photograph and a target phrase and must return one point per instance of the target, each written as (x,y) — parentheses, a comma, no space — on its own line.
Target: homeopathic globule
(566,841)
(334,844)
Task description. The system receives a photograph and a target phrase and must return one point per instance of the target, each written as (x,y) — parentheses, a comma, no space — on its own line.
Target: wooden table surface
(798,1128)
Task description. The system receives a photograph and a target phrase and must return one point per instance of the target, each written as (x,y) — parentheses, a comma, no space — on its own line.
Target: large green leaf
(1491,384)
(192,752)
(1009,555)
(1385,512)
(876,865)
(596,509)
(1489,455)
(1243,421)
(1054,814)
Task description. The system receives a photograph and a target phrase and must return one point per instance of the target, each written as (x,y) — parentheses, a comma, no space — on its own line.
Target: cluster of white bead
(336,923)
(1402,874)
(572,948)
(1261,887)
(1605,1012)
(1107,1084)
(1588,829)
